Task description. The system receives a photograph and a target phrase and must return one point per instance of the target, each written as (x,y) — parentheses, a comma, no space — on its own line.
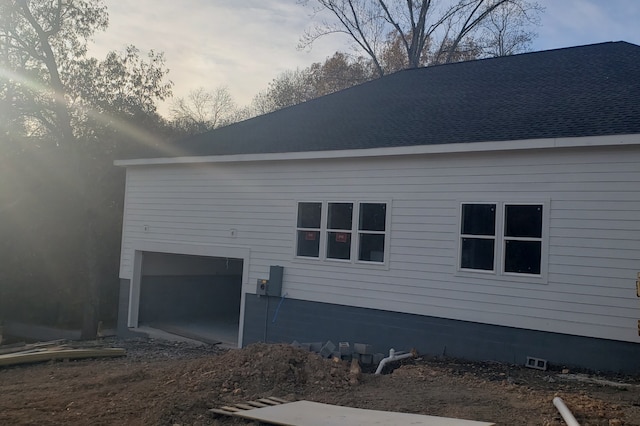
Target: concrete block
(327,349)
(344,348)
(377,357)
(305,346)
(363,348)
(316,346)
(355,355)
(336,354)
(537,363)
(366,359)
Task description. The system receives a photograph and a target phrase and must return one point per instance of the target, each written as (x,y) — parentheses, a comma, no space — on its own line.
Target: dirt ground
(167,383)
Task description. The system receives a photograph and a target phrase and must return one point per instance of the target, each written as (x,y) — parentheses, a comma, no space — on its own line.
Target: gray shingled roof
(578,91)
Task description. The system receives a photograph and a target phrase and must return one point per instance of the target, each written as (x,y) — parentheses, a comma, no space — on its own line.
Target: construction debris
(282,412)
(22,353)
(249,405)
(594,380)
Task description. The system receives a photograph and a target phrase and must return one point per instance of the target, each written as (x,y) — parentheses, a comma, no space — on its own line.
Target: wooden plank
(22,346)
(47,355)
(231,409)
(15,347)
(280,400)
(268,401)
(221,412)
(244,406)
(257,404)
(315,414)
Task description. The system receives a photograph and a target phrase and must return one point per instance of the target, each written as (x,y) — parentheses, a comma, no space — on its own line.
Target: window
(308,229)
(522,238)
(509,232)
(371,231)
(339,225)
(478,237)
(345,231)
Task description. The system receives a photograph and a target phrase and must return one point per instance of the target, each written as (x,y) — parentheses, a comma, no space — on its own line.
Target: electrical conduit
(565,412)
(392,357)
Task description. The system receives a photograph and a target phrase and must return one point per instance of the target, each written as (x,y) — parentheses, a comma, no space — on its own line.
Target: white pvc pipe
(565,412)
(392,357)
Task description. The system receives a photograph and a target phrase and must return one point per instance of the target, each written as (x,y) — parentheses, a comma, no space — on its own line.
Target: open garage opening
(192,296)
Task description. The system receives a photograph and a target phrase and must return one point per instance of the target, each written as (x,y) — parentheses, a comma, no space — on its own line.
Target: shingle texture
(579,91)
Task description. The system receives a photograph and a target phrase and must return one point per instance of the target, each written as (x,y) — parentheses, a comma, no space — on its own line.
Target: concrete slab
(224,333)
(156,333)
(310,413)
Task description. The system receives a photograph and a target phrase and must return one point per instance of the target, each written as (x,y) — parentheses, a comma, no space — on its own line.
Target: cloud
(245,44)
(242,45)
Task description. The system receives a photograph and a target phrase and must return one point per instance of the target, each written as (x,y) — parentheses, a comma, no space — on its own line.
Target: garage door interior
(192,296)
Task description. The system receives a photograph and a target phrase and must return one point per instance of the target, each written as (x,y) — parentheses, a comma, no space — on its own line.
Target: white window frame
(298,229)
(493,237)
(498,272)
(354,232)
(354,207)
(505,238)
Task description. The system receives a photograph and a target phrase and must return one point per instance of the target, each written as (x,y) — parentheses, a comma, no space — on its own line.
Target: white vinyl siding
(592,248)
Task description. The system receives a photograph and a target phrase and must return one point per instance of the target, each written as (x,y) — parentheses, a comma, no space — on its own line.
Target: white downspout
(392,357)
(565,412)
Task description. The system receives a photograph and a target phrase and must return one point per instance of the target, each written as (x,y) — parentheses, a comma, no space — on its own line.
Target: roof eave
(525,144)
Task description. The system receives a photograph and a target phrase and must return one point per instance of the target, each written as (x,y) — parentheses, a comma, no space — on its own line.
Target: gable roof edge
(525,144)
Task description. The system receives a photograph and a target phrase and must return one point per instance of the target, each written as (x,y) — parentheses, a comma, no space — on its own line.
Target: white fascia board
(587,141)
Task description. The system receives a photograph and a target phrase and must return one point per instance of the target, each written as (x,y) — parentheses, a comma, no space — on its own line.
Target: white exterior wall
(592,202)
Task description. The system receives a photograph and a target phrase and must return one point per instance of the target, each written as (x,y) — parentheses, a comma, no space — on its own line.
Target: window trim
(353,261)
(354,207)
(506,238)
(498,272)
(493,238)
(298,229)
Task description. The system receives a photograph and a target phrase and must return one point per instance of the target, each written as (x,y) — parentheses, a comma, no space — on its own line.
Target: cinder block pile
(363,352)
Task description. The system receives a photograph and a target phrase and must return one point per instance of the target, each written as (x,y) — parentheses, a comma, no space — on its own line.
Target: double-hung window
(478,236)
(308,230)
(342,231)
(339,230)
(523,238)
(504,238)
(372,229)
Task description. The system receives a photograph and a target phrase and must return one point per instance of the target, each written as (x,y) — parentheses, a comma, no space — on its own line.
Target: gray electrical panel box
(272,286)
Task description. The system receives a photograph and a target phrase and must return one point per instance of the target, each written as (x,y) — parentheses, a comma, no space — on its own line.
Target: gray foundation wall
(267,319)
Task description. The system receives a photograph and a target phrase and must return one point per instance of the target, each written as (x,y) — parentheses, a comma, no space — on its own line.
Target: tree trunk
(79,180)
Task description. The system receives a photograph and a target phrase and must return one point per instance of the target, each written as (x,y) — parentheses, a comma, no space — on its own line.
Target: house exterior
(487,210)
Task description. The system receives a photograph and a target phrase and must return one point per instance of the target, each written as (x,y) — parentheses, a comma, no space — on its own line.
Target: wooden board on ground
(310,413)
(35,355)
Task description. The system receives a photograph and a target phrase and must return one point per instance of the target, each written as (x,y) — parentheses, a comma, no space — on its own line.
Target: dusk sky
(245,44)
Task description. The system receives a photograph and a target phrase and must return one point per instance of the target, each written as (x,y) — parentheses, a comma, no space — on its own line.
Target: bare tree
(203,110)
(337,72)
(416,24)
(507,30)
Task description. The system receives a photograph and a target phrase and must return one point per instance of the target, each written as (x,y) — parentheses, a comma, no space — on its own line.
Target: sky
(244,44)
